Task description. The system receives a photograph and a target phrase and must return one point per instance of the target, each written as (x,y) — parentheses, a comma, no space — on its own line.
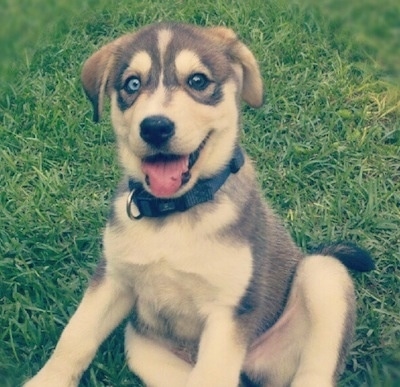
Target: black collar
(203,191)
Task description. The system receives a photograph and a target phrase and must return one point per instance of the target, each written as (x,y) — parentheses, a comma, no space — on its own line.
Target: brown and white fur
(217,295)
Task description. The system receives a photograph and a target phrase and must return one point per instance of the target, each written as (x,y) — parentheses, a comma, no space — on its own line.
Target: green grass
(326,142)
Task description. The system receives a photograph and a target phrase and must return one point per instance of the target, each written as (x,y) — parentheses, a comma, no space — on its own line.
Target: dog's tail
(352,256)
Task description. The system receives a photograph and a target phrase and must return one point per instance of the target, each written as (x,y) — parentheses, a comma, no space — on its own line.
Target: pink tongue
(165,177)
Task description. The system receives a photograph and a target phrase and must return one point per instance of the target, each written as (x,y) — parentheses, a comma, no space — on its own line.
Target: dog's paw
(52,382)
(312,380)
(50,379)
(220,379)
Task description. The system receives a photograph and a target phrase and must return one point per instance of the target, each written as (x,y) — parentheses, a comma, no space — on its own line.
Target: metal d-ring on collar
(141,203)
(132,215)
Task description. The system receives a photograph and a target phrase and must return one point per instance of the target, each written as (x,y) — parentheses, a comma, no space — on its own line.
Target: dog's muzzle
(165,173)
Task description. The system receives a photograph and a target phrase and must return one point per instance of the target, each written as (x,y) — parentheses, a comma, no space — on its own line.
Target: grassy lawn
(326,143)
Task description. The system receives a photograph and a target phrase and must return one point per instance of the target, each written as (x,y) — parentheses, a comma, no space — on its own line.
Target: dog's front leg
(103,307)
(221,353)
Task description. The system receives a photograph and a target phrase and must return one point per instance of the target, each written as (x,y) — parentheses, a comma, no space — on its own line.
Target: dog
(215,292)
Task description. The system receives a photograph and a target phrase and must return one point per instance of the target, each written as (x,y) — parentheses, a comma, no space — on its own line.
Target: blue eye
(132,85)
(198,81)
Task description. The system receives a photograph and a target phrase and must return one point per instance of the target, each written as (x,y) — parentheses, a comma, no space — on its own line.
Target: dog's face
(175,92)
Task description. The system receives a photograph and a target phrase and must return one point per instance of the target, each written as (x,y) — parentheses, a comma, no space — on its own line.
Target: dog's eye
(132,85)
(198,81)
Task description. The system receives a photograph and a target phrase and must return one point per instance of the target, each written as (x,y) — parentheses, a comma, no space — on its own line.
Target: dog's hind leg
(156,365)
(307,344)
(328,294)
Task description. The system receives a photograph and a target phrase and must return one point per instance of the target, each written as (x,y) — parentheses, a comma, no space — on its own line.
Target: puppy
(216,292)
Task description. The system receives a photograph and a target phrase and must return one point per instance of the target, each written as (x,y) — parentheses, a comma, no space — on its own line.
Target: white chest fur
(181,266)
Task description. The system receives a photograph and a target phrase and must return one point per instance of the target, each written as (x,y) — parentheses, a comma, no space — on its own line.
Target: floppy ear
(96,72)
(94,77)
(252,89)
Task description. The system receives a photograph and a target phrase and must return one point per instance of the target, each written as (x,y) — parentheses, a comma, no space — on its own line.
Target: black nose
(156,130)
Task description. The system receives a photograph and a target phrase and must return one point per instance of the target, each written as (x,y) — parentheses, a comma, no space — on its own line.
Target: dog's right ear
(94,77)
(96,73)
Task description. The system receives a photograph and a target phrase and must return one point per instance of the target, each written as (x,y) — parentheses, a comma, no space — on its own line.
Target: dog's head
(175,93)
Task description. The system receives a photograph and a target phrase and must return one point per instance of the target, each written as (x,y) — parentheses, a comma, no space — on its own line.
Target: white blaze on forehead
(140,64)
(188,62)
(164,37)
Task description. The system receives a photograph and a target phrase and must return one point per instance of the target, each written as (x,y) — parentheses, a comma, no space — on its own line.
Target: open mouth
(167,173)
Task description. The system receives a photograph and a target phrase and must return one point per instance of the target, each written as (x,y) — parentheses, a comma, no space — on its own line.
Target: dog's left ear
(252,89)
(95,75)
